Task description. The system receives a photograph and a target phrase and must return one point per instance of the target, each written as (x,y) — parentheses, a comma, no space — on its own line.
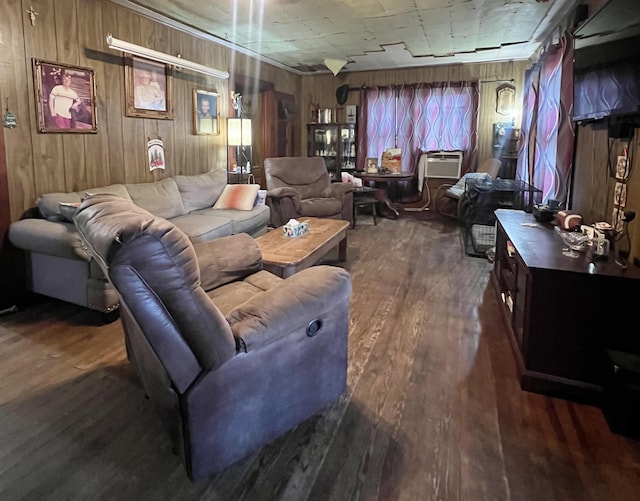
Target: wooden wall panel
(110,98)
(48,150)
(593,187)
(68,45)
(15,75)
(190,48)
(135,150)
(92,42)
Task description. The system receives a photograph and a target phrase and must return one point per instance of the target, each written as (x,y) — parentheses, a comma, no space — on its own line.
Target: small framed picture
(205,112)
(65,97)
(351,113)
(371,166)
(147,89)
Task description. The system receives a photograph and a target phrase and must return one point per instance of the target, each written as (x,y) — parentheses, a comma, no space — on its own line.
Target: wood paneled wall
(73,32)
(593,188)
(321,89)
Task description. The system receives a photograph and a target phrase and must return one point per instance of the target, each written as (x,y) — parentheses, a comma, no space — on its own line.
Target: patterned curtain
(419,118)
(545,158)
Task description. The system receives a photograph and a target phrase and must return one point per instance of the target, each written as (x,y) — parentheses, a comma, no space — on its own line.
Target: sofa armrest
(55,238)
(289,307)
(337,190)
(227,259)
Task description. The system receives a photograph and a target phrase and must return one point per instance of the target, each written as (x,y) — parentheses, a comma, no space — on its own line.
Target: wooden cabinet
(278,133)
(562,313)
(336,143)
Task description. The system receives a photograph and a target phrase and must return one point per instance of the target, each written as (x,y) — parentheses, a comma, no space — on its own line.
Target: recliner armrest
(227,259)
(337,190)
(290,306)
(283,191)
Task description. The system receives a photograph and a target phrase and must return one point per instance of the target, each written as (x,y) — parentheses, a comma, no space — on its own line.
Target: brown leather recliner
(231,355)
(299,187)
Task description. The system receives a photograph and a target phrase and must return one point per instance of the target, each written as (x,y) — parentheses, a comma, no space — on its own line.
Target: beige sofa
(59,266)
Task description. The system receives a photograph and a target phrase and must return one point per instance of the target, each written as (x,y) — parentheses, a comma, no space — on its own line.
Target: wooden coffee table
(284,256)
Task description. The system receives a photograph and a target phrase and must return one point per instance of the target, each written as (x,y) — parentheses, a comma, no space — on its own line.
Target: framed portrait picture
(205,112)
(371,166)
(65,97)
(147,89)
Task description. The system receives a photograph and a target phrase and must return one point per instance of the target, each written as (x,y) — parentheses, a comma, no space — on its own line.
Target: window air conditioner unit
(444,164)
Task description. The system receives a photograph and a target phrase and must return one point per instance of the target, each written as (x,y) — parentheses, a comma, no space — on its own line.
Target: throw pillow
(238,197)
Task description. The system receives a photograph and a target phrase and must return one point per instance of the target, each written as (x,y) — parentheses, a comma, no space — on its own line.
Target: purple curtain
(546,149)
(419,118)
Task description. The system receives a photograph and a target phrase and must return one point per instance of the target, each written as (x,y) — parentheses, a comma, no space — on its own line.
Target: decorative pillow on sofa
(238,196)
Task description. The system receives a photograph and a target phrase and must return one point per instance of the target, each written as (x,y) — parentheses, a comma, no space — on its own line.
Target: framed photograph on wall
(205,112)
(147,89)
(65,97)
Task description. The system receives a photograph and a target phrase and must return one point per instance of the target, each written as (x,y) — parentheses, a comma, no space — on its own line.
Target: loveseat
(59,266)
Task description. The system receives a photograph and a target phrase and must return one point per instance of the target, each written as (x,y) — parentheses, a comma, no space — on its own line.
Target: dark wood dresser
(562,314)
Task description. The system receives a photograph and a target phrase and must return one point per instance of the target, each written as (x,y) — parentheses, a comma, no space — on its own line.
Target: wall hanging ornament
(155,154)
(10,121)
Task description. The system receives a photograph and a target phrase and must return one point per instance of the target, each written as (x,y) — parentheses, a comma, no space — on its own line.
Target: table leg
(342,249)
(381,196)
(391,207)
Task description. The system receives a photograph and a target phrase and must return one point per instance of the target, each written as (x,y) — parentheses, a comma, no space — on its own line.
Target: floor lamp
(239,136)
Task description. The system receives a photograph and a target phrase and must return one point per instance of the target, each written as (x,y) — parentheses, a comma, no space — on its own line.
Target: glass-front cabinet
(336,143)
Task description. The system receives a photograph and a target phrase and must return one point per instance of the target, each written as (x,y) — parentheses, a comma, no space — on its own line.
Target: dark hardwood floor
(433,408)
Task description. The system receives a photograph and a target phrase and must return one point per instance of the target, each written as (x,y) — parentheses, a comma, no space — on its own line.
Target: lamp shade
(239,131)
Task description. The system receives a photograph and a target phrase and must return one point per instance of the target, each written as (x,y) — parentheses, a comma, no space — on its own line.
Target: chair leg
(373,213)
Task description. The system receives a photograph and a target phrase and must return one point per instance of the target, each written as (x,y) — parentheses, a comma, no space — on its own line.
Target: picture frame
(147,89)
(351,113)
(371,165)
(391,161)
(65,97)
(206,118)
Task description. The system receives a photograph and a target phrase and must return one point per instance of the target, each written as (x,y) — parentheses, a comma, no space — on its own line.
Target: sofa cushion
(227,259)
(238,197)
(161,198)
(320,207)
(230,296)
(202,190)
(252,222)
(201,229)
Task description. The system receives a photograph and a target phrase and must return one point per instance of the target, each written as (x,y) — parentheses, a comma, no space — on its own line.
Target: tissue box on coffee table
(295,228)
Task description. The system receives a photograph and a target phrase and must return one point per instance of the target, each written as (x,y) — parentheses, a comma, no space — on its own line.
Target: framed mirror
(505,99)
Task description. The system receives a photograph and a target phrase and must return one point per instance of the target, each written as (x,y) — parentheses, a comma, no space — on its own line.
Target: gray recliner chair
(231,355)
(299,187)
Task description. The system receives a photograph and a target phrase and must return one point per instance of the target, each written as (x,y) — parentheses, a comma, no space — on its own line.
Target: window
(422,117)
